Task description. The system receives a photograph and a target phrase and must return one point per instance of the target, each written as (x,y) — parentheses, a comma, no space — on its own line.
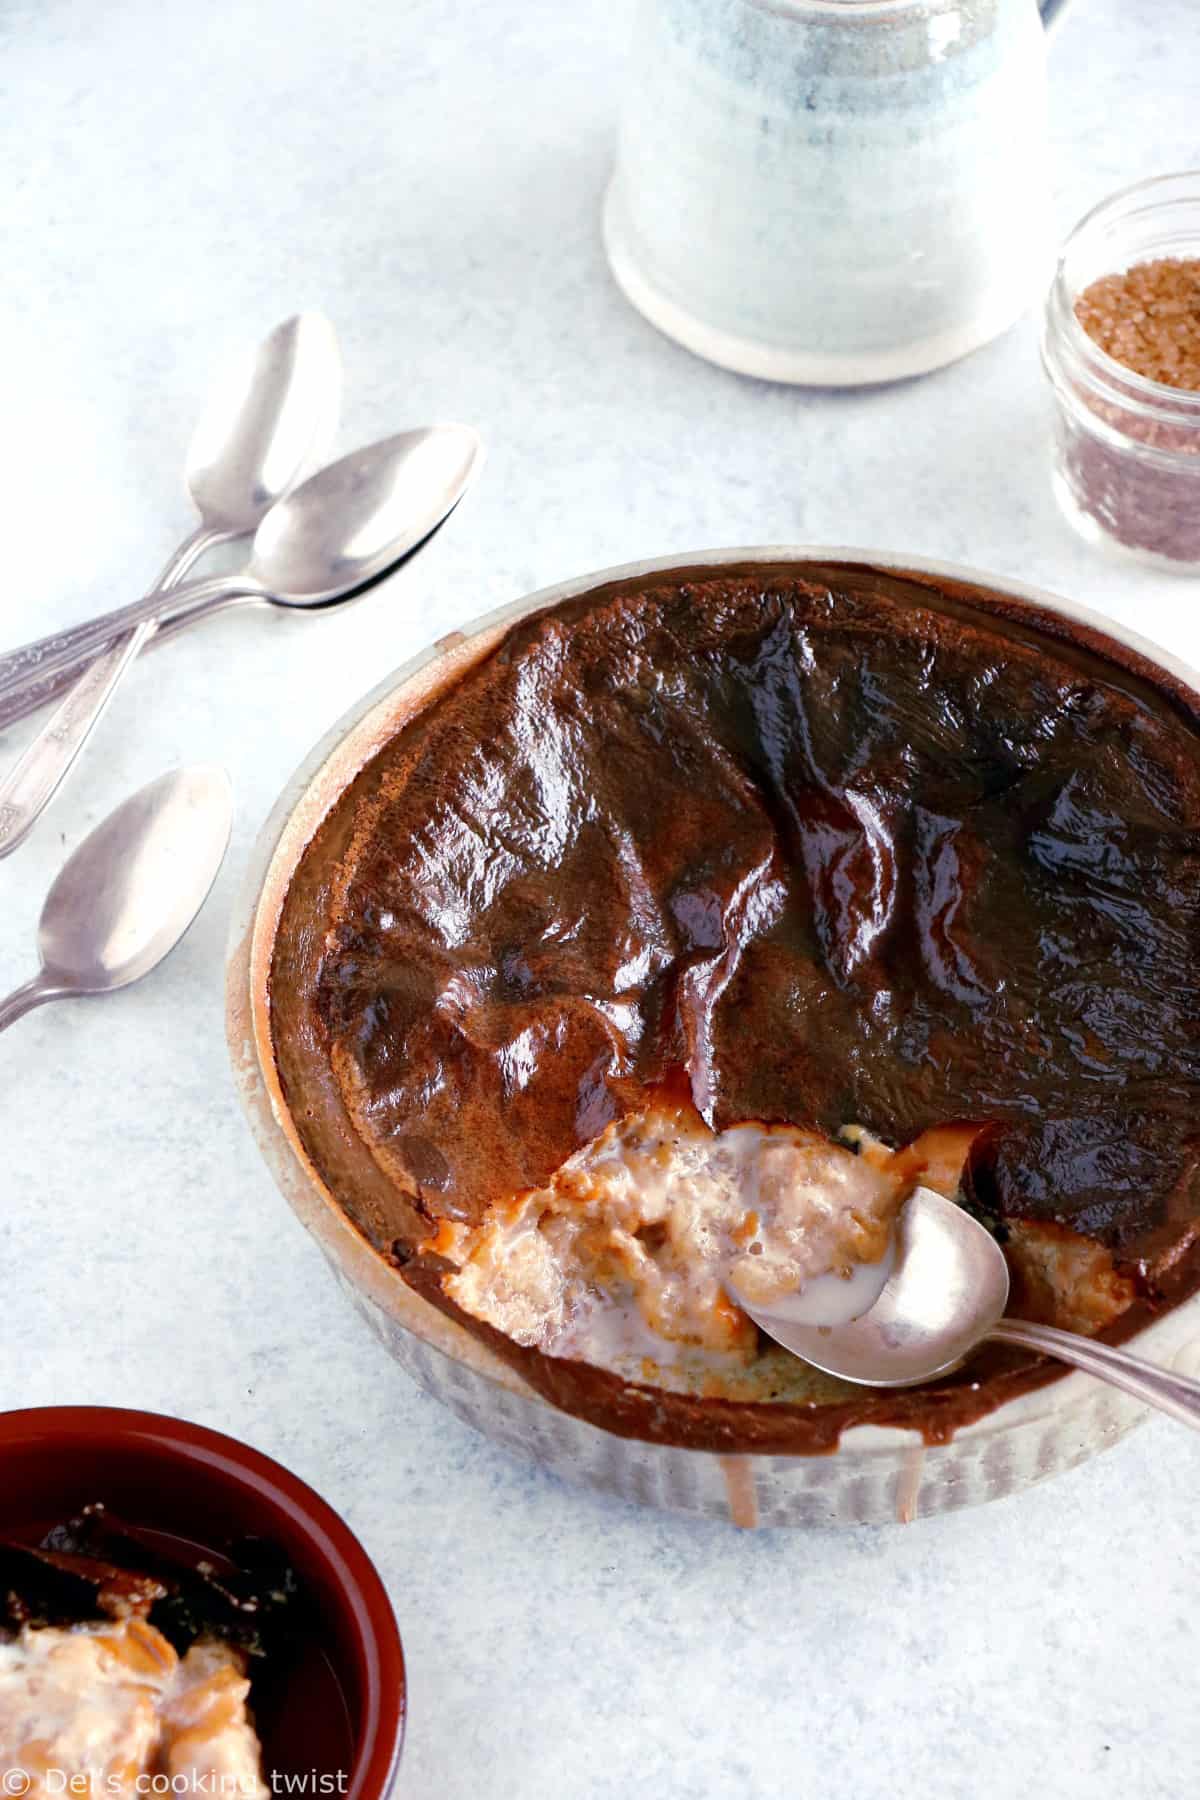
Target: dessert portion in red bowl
(705,913)
(175,1608)
(127,1654)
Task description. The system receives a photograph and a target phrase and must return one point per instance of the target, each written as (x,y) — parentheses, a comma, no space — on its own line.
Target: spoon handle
(33,780)
(1176,1395)
(34,992)
(77,645)
(28,788)
(198,543)
(30,696)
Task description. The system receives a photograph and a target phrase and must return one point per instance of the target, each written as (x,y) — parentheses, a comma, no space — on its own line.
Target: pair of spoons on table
(318,540)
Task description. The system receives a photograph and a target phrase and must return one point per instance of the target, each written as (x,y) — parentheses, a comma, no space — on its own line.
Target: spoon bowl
(134,885)
(270,419)
(352,522)
(946,1295)
(128,893)
(947,1288)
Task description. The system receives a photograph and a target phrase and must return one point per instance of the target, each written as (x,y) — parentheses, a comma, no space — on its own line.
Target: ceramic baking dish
(877,1474)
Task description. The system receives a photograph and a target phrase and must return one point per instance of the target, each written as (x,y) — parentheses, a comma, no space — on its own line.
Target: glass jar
(1126,448)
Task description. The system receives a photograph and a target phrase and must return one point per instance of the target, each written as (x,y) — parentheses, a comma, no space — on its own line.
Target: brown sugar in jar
(1148,318)
(1121,347)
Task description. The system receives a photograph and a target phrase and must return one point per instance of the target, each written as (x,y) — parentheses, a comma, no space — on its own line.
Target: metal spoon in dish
(330,539)
(126,896)
(270,421)
(946,1294)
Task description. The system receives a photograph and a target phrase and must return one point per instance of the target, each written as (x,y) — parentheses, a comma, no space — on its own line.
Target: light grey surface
(178,178)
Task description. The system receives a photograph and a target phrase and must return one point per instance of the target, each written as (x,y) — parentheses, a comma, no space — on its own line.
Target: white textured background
(175,179)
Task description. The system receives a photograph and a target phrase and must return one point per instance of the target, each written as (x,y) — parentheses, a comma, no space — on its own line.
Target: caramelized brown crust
(842,846)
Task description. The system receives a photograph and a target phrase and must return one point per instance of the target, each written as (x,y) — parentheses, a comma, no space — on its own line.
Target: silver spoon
(946,1294)
(270,420)
(335,535)
(129,892)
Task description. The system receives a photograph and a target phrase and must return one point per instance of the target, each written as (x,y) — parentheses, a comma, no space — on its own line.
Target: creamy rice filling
(628,1254)
(104,1704)
(625,1258)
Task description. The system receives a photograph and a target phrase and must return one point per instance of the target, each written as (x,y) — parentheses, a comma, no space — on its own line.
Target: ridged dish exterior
(877,1475)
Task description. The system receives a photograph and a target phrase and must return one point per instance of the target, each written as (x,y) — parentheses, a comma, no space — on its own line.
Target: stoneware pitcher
(833,191)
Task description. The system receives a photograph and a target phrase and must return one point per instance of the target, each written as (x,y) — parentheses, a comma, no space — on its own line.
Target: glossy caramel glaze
(837,844)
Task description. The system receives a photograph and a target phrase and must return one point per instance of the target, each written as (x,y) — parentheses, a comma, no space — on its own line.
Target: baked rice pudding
(701,918)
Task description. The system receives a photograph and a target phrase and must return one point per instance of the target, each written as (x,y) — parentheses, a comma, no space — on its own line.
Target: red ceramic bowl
(338,1708)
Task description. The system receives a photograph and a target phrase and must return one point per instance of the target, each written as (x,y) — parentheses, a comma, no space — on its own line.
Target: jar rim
(1157,399)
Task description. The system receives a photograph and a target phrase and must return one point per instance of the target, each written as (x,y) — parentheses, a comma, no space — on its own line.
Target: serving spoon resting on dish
(939,1294)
